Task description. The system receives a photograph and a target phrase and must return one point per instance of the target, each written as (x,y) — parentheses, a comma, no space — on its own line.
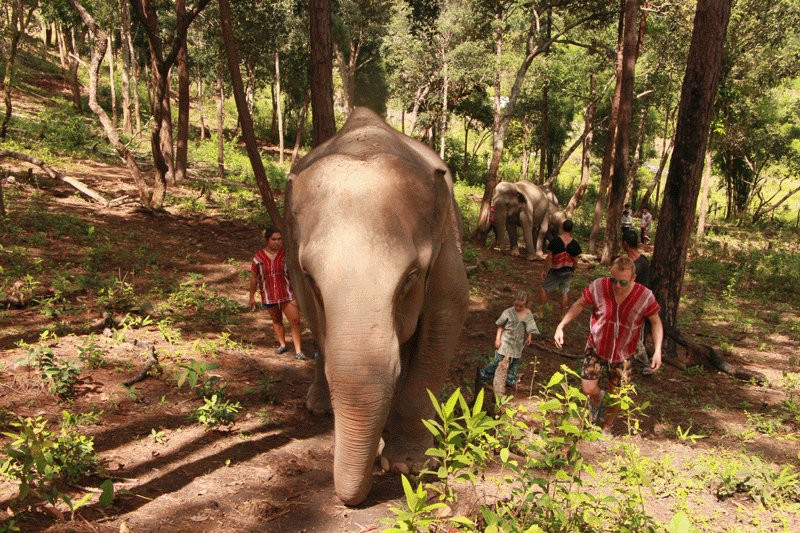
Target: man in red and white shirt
(619,307)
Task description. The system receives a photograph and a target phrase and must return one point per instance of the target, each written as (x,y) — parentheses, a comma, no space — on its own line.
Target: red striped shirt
(615,328)
(563,256)
(273,277)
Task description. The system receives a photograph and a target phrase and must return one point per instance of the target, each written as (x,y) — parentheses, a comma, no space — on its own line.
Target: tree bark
(301,128)
(616,196)
(706,186)
(200,107)
(608,154)
(19,23)
(100,41)
(250,88)
(321,66)
(62,47)
(111,81)
(544,135)
(182,146)
(445,87)
(683,180)
(588,118)
(246,121)
(220,124)
(279,107)
(137,111)
(125,29)
(633,178)
(72,61)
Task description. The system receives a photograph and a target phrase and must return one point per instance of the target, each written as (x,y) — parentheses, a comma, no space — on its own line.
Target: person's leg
(277,324)
(619,374)
(487,372)
(292,313)
(511,378)
(590,378)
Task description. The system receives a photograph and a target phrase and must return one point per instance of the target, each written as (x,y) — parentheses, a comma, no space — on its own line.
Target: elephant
(528,205)
(373,244)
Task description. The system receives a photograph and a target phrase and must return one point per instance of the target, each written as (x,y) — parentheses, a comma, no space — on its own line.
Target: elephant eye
(410,279)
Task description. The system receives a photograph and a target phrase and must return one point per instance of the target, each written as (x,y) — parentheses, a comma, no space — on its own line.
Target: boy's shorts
(269,306)
(557,280)
(618,373)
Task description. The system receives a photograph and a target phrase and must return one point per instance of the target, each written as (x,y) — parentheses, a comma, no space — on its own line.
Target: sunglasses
(622,282)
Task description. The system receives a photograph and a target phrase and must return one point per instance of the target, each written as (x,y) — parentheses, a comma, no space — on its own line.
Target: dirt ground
(271,471)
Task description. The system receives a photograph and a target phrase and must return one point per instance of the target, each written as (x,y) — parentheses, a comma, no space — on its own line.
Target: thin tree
(125,56)
(99,44)
(616,195)
(220,122)
(588,115)
(19,23)
(72,65)
(246,121)
(686,166)
(705,188)
(161,63)
(278,106)
(111,81)
(182,145)
(321,66)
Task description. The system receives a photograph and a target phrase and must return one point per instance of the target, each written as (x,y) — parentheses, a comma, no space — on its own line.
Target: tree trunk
(125,29)
(232,55)
(301,128)
(616,196)
(347,69)
(250,88)
(666,149)
(100,41)
(706,186)
(321,67)
(445,87)
(465,163)
(19,23)
(588,118)
(633,178)
(220,124)
(544,135)
(279,107)
(62,47)
(608,154)
(182,146)
(72,61)
(556,169)
(200,107)
(111,81)
(683,180)
(137,112)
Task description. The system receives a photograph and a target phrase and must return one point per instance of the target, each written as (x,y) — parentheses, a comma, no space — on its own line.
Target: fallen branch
(709,356)
(152,358)
(76,183)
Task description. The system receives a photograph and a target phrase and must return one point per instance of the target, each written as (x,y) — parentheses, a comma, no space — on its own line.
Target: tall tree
(125,54)
(99,43)
(616,195)
(182,145)
(536,43)
(686,166)
(161,63)
(20,19)
(246,121)
(319,16)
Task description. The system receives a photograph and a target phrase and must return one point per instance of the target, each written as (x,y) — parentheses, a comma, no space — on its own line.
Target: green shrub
(216,412)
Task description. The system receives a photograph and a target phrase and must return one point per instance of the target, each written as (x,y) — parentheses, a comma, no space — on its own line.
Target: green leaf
(680,523)
(555,379)
(107,496)
(504,453)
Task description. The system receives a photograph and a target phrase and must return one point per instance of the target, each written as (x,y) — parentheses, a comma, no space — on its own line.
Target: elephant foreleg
(527,232)
(318,399)
(511,229)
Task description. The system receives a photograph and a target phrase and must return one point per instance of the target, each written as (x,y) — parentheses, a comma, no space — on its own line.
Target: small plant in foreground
(194,373)
(92,354)
(687,435)
(216,412)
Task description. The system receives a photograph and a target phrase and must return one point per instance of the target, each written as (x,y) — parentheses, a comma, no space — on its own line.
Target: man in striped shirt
(619,307)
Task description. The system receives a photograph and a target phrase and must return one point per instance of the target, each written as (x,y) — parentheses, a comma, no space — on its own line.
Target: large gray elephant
(530,206)
(373,250)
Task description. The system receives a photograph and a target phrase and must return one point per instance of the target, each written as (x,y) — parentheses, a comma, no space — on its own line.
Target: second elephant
(530,206)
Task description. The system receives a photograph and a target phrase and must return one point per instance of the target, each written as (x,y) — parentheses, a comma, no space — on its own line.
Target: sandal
(301,356)
(281,350)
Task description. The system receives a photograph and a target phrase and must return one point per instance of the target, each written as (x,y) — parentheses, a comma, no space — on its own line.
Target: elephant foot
(515,252)
(404,456)
(318,400)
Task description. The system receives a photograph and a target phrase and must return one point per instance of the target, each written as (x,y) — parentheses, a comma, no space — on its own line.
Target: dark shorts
(558,281)
(618,373)
(269,306)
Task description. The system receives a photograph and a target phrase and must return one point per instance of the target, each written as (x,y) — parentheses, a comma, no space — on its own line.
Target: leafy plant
(687,435)
(61,375)
(216,412)
(92,354)
(194,373)
(158,436)
(118,294)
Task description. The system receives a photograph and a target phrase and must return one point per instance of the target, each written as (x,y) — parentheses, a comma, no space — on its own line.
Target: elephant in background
(374,256)
(530,206)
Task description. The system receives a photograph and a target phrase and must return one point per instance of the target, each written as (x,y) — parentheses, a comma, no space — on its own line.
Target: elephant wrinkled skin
(373,250)
(528,205)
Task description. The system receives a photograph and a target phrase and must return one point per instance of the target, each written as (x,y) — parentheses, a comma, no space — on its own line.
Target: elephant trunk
(500,216)
(362,380)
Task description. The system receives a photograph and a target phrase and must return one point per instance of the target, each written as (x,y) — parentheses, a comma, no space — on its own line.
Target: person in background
(645,223)
(559,266)
(270,276)
(619,308)
(627,220)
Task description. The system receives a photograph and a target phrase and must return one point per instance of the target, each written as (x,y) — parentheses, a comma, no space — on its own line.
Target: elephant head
(371,227)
